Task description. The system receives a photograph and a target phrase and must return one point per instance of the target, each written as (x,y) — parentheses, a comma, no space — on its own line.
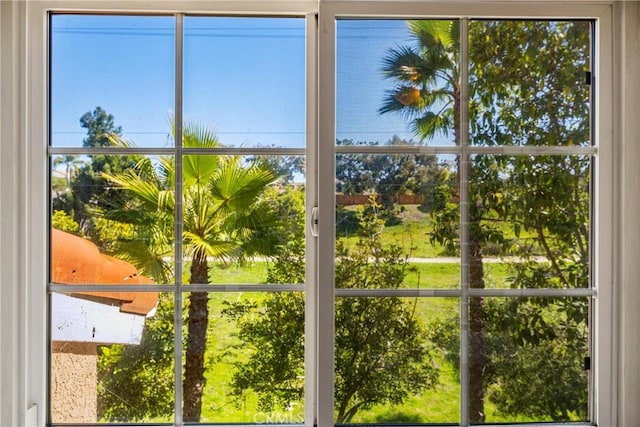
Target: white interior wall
(12,24)
(629,202)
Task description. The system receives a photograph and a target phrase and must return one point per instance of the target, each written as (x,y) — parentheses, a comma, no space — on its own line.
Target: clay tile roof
(75,260)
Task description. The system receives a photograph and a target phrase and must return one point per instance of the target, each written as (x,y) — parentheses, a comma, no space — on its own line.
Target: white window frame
(330,11)
(39,15)
(24,191)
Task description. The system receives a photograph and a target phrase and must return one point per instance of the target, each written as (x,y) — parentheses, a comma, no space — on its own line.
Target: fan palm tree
(223,218)
(71,164)
(427,94)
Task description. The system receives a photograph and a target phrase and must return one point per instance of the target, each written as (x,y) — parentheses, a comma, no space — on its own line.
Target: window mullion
(311,194)
(177,314)
(464,223)
(326,218)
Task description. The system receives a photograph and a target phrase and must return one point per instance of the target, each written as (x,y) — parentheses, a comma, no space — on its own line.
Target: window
(436,102)
(504,200)
(187,183)
(460,252)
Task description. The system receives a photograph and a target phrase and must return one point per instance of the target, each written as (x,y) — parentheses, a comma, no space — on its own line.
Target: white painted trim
(311,242)
(603,374)
(34,189)
(326,216)
(12,402)
(628,203)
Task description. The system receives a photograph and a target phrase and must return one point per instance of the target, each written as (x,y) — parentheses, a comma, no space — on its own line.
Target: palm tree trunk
(198,320)
(477,356)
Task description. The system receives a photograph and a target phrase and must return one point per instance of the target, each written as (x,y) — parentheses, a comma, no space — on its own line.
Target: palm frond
(427,75)
(428,99)
(198,169)
(432,124)
(116,140)
(216,248)
(166,171)
(436,33)
(148,258)
(260,218)
(199,136)
(145,190)
(404,64)
(238,186)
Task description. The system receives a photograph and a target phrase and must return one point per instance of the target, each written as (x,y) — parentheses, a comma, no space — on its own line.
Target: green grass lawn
(412,235)
(439,404)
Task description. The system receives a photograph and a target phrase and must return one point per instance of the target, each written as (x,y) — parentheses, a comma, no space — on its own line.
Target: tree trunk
(477,356)
(198,321)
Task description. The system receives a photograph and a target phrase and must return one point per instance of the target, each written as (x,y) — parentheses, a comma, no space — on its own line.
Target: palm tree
(428,79)
(71,164)
(427,94)
(223,218)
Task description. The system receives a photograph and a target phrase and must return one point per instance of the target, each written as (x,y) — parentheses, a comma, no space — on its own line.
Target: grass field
(437,405)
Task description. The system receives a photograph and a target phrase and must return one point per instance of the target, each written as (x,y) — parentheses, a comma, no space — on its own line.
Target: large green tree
(380,356)
(526,88)
(224,218)
(427,94)
(539,96)
(89,189)
(99,125)
(388,175)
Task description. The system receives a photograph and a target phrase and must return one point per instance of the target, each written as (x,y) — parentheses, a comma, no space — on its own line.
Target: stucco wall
(74,381)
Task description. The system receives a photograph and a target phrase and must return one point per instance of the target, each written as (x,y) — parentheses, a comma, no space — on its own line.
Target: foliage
(110,234)
(99,125)
(381,356)
(288,260)
(136,382)
(389,175)
(60,220)
(427,94)
(286,167)
(535,100)
(225,217)
(537,347)
(89,189)
(526,88)
(427,77)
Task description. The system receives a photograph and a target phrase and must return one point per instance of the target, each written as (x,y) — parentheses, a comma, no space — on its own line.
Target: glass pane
(400,210)
(530,221)
(111,74)
(397,360)
(251,370)
(112,219)
(244,219)
(397,82)
(245,78)
(111,362)
(527,360)
(528,83)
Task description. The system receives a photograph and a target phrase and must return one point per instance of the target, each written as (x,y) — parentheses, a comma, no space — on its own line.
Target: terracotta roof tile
(75,260)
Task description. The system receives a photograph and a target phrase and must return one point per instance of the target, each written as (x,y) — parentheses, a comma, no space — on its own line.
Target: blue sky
(243,77)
